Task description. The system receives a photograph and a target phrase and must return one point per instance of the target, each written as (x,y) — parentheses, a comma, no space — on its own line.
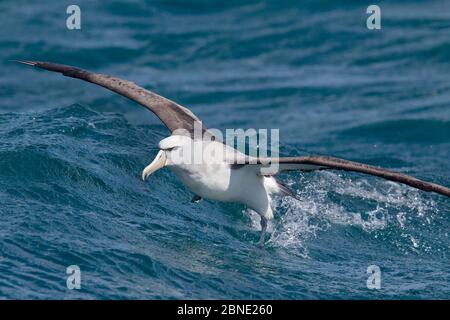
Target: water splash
(380,209)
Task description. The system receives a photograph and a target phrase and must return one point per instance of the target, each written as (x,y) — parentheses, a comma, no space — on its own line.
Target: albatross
(226,174)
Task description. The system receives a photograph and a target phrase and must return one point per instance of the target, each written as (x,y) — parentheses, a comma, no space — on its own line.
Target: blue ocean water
(71,153)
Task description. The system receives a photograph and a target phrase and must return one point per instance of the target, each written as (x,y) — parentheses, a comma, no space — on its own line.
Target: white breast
(207,181)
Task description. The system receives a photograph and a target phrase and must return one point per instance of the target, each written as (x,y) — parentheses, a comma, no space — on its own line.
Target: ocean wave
(70,187)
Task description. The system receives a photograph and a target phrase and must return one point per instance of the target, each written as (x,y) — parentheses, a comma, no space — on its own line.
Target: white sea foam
(384,204)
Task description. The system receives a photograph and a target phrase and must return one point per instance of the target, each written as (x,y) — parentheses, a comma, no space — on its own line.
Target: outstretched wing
(271,166)
(170,113)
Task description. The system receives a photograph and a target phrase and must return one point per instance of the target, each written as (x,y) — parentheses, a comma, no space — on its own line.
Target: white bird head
(171,152)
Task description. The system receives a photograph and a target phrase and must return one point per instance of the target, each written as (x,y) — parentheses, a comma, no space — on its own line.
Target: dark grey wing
(309,163)
(170,113)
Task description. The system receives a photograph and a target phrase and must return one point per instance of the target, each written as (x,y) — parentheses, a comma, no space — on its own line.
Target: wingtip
(27,62)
